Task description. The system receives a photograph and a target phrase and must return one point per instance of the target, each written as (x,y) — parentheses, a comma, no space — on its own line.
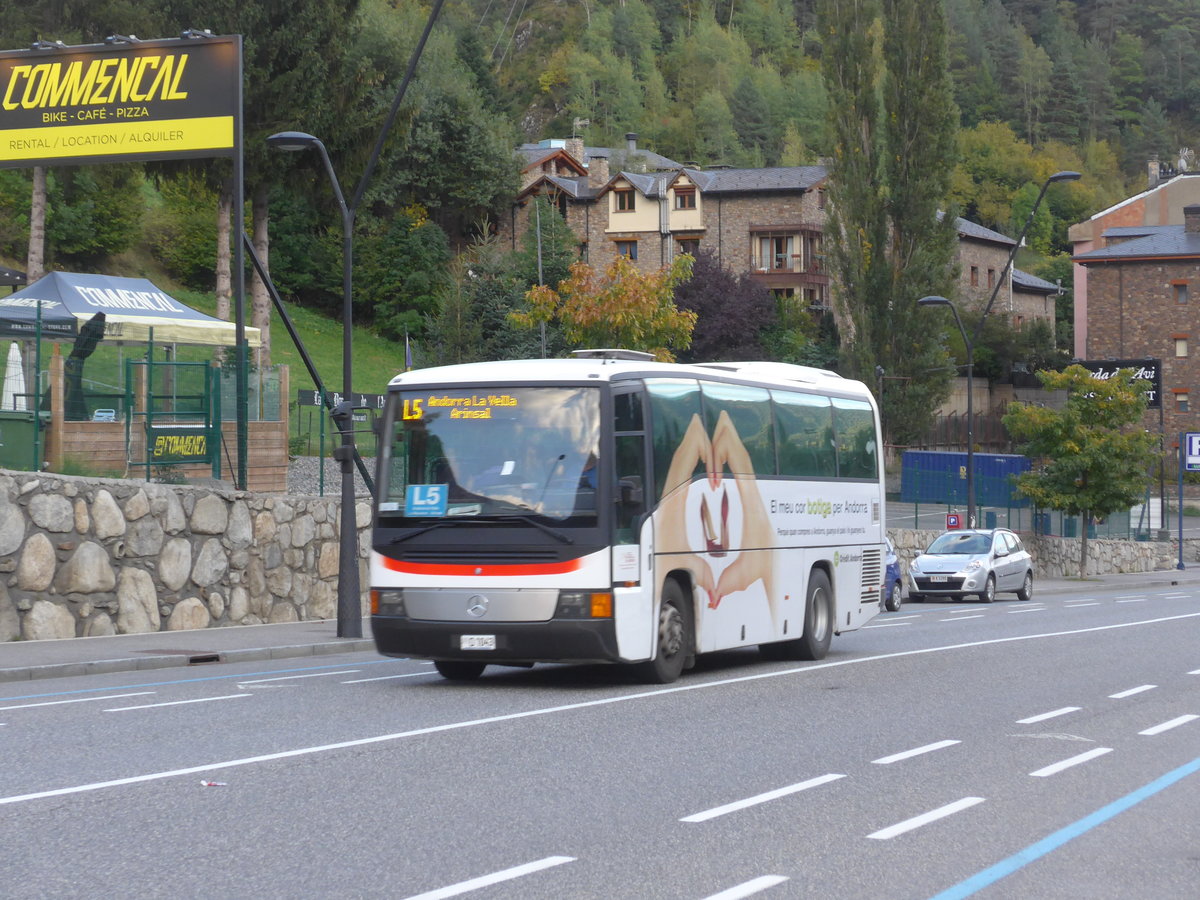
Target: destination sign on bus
(468,406)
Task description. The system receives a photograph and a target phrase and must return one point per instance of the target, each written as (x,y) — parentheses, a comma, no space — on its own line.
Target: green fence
(1004,509)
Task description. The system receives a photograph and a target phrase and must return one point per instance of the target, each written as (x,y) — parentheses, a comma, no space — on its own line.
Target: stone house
(767,222)
(1141,305)
(1169,190)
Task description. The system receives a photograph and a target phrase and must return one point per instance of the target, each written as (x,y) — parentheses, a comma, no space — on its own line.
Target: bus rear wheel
(459,669)
(673,638)
(818,624)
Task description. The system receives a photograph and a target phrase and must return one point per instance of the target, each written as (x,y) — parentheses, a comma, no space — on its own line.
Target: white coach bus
(610,508)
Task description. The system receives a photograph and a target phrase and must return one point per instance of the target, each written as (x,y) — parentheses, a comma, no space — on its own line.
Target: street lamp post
(970,345)
(349,598)
(970,341)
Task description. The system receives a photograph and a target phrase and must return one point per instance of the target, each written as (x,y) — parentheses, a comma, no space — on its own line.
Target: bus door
(632,557)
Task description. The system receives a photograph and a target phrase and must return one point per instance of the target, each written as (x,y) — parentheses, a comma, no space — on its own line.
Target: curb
(180,659)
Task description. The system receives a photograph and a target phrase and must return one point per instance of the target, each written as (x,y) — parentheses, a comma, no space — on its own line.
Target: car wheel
(674,641)
(458,669)
(1026,591)
(894,598)
(988,594)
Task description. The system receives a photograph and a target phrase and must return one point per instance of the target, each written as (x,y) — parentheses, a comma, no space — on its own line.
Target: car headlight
(914,567)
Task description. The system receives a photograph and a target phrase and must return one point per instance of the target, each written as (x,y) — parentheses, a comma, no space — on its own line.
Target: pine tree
(891,235)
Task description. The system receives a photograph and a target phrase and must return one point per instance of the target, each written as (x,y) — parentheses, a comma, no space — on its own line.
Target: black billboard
(120,102)
(1143,370)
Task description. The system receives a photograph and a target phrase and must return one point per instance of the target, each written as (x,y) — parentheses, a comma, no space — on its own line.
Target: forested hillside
(1092,85)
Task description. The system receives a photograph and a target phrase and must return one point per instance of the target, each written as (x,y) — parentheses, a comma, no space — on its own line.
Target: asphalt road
(1048,749)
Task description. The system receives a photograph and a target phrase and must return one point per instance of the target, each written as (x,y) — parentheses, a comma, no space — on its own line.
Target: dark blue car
(893,580)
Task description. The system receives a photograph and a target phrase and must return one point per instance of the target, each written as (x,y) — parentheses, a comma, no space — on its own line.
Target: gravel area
(304,476)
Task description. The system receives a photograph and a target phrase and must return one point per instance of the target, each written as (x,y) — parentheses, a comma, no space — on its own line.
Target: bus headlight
(584,605)
(387,602)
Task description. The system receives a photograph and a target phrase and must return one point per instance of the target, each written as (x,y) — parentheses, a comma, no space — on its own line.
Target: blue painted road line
(1033,852)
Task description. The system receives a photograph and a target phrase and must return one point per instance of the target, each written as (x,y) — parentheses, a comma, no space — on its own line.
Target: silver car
(980,562)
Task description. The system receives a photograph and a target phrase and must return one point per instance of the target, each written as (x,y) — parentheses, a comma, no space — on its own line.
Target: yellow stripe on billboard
(163,136)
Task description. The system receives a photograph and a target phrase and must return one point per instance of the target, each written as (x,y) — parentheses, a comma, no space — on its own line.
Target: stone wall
(86,556)
(1056,557)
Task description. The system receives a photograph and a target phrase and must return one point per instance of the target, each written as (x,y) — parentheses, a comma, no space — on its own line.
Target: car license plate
(477,642)
(938,578)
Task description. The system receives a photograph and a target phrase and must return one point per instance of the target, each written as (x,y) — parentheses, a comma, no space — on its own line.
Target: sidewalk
(30,660)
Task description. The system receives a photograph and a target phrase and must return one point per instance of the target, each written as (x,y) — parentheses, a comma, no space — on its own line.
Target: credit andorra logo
(96,82)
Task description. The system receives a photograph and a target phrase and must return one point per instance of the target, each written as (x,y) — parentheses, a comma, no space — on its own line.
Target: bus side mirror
(631,491)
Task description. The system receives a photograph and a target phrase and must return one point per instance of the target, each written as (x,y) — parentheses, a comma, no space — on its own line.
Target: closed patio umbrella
(13,394)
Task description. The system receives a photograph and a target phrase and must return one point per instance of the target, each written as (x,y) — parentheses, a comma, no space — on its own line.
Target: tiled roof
(1031,283)
(1172,240)
(979,233)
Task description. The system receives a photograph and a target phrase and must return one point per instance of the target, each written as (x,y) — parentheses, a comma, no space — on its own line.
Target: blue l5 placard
(426,499)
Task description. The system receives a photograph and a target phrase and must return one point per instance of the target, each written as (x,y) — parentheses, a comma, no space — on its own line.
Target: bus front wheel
(673,637)
(459,669)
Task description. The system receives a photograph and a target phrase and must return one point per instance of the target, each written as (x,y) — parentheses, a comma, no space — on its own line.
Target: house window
(628,249)
(690,246)
(974,276)
(685,198)
(991,278)
(1180,347)
(625,200)
(1181,401)
(773,252)
(1181,291)
(820,199)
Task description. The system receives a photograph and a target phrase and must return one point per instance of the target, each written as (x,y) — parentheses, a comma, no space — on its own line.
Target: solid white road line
(925,818)
(385,678)
(1029,609)
(887,625)
(657,693)
(1129,693)
(482,881)
(1167,726)
(78,700)
(1194,672)
(1072,761)
(916,751)
(760,798)
(960,618)
(1049,715)
(1070,605)
(290,677)
(178,702)
(750,887)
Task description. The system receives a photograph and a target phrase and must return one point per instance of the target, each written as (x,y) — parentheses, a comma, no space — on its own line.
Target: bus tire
(459,669)
(818,624)
(818,618)
(673,637)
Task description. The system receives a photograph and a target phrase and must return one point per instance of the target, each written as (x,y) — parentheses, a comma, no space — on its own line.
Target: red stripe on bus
(484,570)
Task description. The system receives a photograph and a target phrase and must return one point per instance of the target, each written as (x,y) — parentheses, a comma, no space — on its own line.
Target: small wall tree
(1092,456)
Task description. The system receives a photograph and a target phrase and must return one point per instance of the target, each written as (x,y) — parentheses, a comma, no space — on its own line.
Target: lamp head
(933,301)
(1064,176)
(293,141)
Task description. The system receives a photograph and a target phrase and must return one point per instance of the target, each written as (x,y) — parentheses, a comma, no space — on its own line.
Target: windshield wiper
(541,526)
(526,519)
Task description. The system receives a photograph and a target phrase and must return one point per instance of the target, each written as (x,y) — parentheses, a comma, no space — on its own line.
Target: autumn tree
(1092,456)
(620,308)
(733,313)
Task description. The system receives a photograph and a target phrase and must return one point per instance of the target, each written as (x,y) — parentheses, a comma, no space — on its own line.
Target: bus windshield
(491,453)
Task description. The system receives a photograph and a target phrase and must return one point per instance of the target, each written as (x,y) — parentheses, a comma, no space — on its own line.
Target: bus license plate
(477,642)
(938,578)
